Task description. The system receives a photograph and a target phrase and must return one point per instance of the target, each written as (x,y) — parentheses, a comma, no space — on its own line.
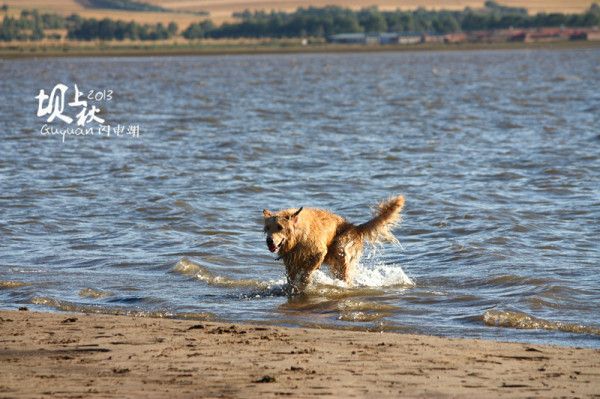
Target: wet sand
(78,355)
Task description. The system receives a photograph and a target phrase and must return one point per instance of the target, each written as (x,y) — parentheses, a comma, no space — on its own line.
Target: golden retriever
(307,238)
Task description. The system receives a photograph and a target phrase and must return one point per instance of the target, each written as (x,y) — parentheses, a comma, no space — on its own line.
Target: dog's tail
(380,227)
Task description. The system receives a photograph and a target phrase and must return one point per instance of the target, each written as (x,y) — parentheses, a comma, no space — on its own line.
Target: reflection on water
(497,154)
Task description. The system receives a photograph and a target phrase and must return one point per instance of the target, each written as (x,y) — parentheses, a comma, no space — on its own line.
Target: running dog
(306,238)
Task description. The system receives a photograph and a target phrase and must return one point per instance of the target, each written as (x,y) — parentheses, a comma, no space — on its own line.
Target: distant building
(578,35)
(388,38)
(377,38)
(433,38)
(553,35)
(372,38)
(487,36)
(348,38)
(547,35)
(410,38)
(518,37)
(455,38)
(593,34)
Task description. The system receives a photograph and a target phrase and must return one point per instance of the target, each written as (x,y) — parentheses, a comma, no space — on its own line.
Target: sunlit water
(497,153)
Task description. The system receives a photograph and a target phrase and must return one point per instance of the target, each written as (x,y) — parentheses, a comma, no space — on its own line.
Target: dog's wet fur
(305,238)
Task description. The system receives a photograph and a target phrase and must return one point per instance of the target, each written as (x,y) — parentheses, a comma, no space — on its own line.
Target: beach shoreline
(91,355)
(141,49)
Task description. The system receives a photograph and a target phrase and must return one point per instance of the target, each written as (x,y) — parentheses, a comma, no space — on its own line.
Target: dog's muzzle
(271,244)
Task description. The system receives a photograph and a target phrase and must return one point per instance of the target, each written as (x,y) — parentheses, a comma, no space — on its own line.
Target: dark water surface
(497,153)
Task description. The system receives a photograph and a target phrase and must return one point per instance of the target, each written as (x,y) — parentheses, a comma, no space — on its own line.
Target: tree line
(304,22)
(130,5)
(31,25)
(108,29)
(322,22)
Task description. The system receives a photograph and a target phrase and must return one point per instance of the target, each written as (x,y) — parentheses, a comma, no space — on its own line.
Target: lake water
(497,154)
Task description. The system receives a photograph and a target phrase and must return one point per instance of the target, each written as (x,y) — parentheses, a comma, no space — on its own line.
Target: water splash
(372,275)
(381,275)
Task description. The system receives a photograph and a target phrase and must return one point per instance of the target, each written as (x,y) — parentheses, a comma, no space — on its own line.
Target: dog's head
(279,228)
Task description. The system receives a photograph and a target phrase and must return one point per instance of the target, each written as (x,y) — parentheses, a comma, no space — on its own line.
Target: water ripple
(496,152)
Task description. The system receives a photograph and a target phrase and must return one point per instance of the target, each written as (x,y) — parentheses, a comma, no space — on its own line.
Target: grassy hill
(222,9)
(183,11)
(235,5)
(67,7)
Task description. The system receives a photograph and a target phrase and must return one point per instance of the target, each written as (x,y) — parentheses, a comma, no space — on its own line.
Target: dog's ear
(294,216)
(267,213)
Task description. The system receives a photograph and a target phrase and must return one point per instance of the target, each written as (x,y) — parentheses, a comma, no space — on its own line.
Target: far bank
(267,47)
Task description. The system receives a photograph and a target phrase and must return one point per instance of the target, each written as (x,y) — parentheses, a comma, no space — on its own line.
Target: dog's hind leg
(344,256)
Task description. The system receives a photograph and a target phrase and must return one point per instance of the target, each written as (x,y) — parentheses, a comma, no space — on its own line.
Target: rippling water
(497,153)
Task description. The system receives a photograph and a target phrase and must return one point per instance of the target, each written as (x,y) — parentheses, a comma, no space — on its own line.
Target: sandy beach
(79,356)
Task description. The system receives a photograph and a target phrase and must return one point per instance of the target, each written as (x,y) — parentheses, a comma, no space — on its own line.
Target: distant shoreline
(90,355)
(140,50)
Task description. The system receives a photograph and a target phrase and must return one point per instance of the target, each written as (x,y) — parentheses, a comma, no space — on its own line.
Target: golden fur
(306,238)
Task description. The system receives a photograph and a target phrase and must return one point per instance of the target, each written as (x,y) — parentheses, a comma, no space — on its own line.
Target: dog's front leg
(299,277)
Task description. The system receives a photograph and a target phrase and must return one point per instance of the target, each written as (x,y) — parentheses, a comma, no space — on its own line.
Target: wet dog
(306,238)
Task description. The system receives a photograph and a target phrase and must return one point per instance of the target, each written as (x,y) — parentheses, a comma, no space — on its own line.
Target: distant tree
(422,20)
(474,21)
(555,19)
(53,21)
(309,22)
(143,32)
(37,31)
(109,29)
(372,20)
(74,20)
(172,28)
(9,30)
(445,23)
(120,32)
(85,29)
(244,15)
(160,32)
(133,31)
(410,24)
(591,17)
(343,23)
(198,30)
(106,29)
